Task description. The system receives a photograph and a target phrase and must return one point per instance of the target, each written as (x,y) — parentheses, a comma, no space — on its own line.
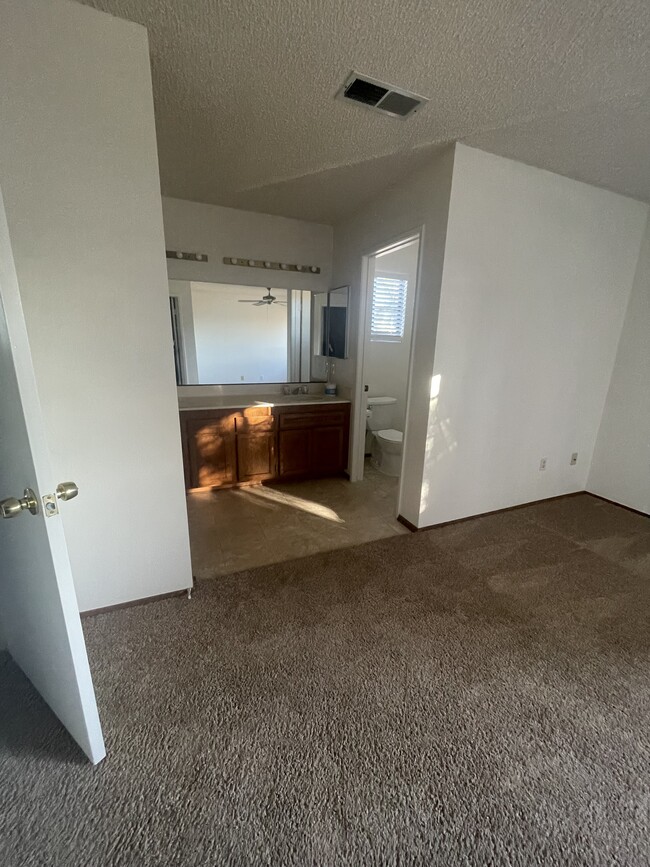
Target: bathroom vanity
(273,343)
(237,441)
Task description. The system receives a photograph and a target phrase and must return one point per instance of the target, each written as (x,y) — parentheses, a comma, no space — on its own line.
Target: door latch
(49,505)
(64,491)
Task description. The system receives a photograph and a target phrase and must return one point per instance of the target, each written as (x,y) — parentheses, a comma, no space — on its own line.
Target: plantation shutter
(388,308)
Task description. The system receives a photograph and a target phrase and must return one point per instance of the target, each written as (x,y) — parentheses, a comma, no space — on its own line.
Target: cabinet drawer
(254,423)
(319,418)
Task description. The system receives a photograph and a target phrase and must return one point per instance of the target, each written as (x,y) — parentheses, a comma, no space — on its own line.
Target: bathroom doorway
(387,304)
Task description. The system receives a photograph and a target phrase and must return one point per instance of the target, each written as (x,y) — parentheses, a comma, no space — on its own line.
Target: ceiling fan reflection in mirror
(265,300)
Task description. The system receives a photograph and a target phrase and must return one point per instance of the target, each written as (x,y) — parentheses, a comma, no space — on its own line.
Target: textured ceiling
(246,116)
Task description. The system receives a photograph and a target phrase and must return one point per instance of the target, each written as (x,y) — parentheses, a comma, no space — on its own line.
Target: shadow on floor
(28,728)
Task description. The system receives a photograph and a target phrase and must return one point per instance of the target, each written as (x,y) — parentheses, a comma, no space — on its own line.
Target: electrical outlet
(574,459)
(542,464)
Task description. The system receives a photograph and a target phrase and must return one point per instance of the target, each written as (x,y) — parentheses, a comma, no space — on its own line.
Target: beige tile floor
(241,528)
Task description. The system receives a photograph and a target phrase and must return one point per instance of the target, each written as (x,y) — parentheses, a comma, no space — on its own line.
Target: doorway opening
(266,448)
(388,297)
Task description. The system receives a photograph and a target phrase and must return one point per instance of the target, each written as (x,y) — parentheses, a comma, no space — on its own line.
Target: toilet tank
(381,411)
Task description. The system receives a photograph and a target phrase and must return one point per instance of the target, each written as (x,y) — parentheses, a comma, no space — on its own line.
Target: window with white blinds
(388,308)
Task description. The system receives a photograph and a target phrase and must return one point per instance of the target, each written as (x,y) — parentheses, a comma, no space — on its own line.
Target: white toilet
(386,445)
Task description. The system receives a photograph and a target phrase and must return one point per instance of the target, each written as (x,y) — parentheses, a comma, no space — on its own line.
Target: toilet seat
(390,435)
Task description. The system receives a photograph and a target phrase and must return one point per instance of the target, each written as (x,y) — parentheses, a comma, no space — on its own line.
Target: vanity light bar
(189,257)
(270,266)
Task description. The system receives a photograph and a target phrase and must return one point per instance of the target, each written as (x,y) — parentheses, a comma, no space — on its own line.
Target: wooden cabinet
(255,440)
(313,441)
(257,444)
(209,450)
(328,449)
(294,453)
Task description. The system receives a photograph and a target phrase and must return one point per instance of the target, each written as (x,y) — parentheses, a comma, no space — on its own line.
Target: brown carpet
(473,695)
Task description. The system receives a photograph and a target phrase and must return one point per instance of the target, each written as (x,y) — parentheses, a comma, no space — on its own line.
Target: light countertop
(240,401)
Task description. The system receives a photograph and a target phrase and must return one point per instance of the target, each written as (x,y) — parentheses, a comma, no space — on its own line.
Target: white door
(39,617)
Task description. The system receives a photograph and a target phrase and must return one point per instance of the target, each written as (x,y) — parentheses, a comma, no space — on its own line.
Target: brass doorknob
(13,506)
(67,491)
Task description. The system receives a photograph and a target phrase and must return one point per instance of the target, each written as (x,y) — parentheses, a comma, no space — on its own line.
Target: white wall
(386,363)
(620,469)
(421,200)
(239,342)
(219,232)
(79,173)
(537,275)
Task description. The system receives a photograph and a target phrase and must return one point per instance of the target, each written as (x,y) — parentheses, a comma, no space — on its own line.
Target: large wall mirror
(227,334)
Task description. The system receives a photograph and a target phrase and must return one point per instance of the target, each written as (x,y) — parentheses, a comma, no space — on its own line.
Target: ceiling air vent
(380,96)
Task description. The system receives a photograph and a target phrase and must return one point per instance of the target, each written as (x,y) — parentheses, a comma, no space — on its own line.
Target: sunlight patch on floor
(309,506)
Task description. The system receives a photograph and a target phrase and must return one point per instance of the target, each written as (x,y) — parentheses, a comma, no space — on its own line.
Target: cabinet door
(211,452)
(327,453)
(294,452)
(255,456)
